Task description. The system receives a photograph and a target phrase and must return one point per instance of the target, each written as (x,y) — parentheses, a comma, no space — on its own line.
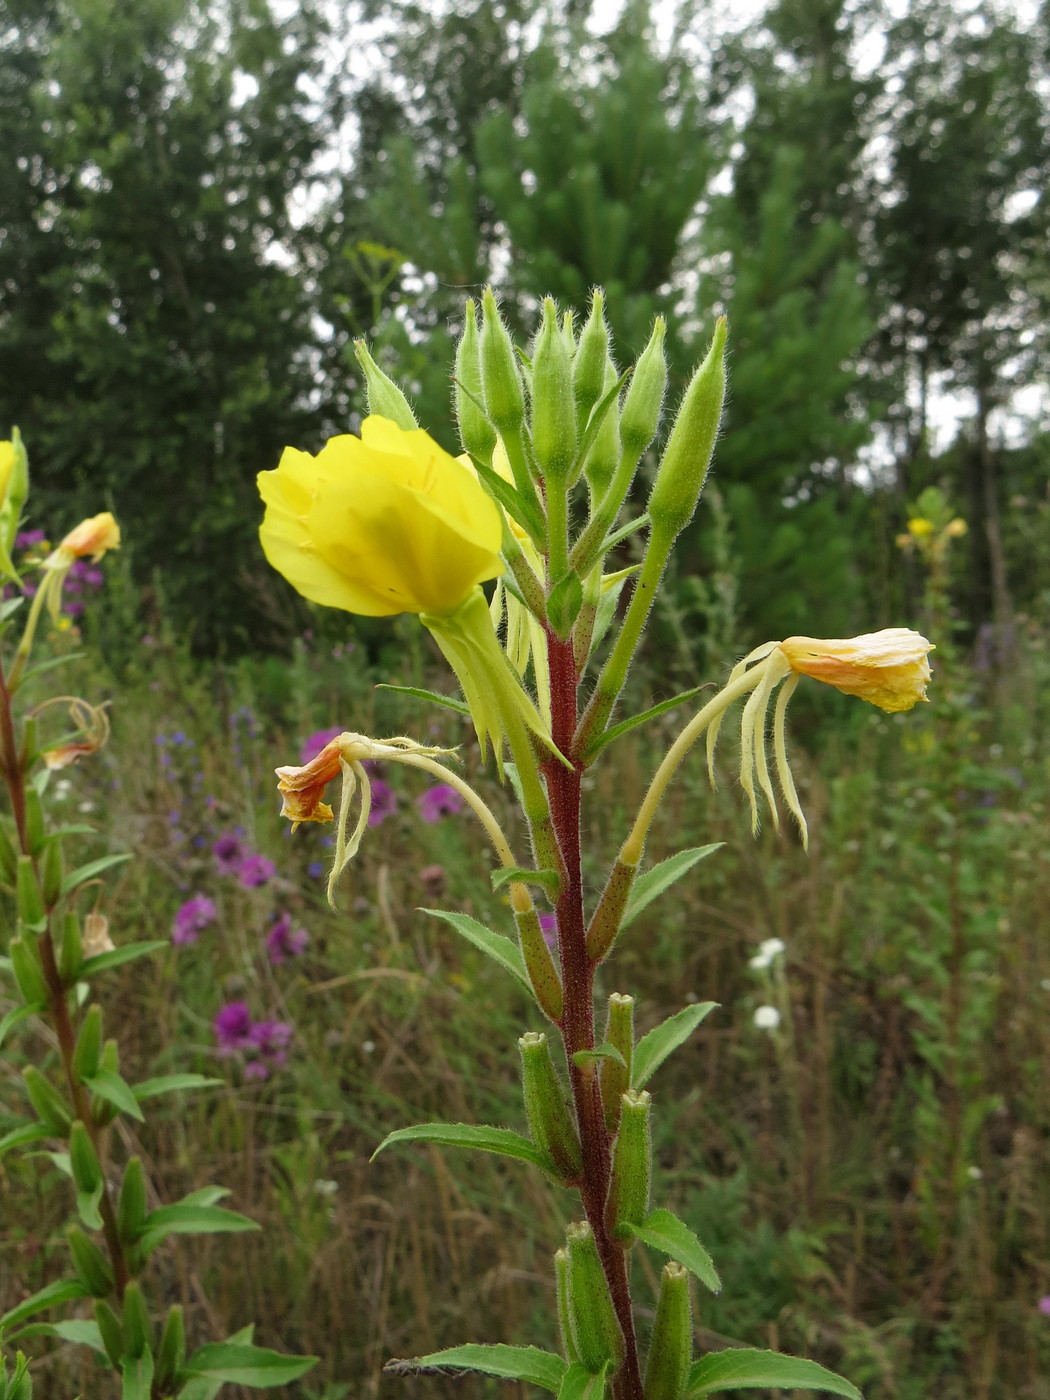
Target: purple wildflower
(229,851)
(193,916)
(316,742)
(440,801)
(384,802)
(255,870)
(269,1044)
(284,942)
(233,1027)
(549,929)
(1044,1305)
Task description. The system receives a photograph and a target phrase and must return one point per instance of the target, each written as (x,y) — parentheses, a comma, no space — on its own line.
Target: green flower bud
(645,394)
(595,1330)
(91,1265)
(671,1345)
(550,1122)
(504,399)
(615,1079)
(70,950)
(102,1110)
(138,1326)
(539,964)
(632,1168)
(111,1331)
(48,1104)
(589,366)
(131,1203)
(687,456)
(564,604)
(83,1159)
(604,455)
(28,973)
(553,408)
(8,856)
(171,1350)
(88,1049)
(476,433)
(568,332)
(384,397)
(30,752)
(34,819)
(51,875)
(28,899)
(20,1384)
(561,1286)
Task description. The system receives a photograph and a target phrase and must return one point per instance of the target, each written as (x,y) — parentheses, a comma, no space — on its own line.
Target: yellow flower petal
(93,536)
(888,668)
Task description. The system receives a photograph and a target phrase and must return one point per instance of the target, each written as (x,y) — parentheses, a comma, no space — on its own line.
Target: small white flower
(974,1173)
(1045,984)
(768,949)
(369,1047)
(86,807)
(767,1018)
(61,790)
(326,1188)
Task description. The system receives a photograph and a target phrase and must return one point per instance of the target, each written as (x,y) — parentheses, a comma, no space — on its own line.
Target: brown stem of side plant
(577,1023)
(14,779)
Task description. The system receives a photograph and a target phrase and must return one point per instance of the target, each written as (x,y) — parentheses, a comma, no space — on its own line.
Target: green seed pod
(604,455)
(48,1104)
(553,407)
(671,1345)
(476,433)
(687,456)
(592,1317)
(615,1079)
(91,1265)
(384,397)
(550,1122)
(88,1051)
(632,1169)
(138,1326)
(588,370)
(561,1285)
(8,856)
(34,824)
(504,398)
(645,394)
(131,1204)
(111,1331)
(28,899)
(539,964)
(83,1159)
(171,1350)
(70,950)
(28,973)
(52,872)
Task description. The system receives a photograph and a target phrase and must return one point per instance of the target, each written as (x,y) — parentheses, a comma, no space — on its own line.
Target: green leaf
(510,498)
(673,1237)
(191,1218)
(625,726)
(114,1090)
(431,695)
(498,947)
(605,1051)
(13,1018)
(655,1046)
(62,1290)
(171,1083)
(17,1137)
(580,1384)
(42,667)
(501,1141)
(595,421)
(77,877)
(505,1362)
(11,605)
(235,1363)
(137,1377)
(655,881)
(207,1196)
(747,1368)
(87,1206)
(118,956)
(201,1388)
(83,1331)
(549,879)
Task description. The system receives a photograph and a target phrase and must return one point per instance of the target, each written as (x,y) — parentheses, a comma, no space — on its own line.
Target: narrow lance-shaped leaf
(655,1046)
(507,1363)
(660,877)
(498,947)
(500,1141)
(673,1237)
(747,1368)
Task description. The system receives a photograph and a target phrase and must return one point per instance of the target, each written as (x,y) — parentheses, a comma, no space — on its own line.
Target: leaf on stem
(191,1218)
(605,1051)
(625,726)
(747,1368)
(653,883)
(432,695)
(236,1363)
(507,1363)
(496,945)
(83,873)
(580,1384)
(119,956)
(62,1290)
(114,1090)
(655,1046)
(171,1083)
(502,1141)
(673,1237)
(549,880)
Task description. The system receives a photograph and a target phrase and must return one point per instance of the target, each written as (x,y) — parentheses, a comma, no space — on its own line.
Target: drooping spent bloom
(316,742)
(229,851)
(93,536)
(192,918)
(384,802)
(283,941)
(96,939)
(888,668)
(255,870)
(92,724)
(233,1027)
(439,801)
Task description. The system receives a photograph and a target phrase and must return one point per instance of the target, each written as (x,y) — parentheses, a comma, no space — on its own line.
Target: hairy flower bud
(561,1287)
(111,1331)
(83,1159)
(88,1050)
(553,407)
(171,1349)
(550,1121)
(687,456)
(615,1078)
(588,370)
(628,1202)
(48,1104)
(28,972)
(384,397)
(500,379)
(476,433)
(91,1265)
(645,394)
(595,1330)
(138,1326)
(131,1203)
(671,1345)
(604,455)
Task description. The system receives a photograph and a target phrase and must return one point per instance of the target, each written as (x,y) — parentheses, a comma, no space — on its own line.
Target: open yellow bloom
(93,536)
(7,466)
(380,524)
(887,668)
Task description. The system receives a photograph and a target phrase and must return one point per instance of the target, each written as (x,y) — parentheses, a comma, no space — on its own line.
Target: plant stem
(577,1024)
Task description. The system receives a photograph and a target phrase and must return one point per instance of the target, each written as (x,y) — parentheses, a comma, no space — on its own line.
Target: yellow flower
(888,668)
(381,524)
(7,466)
(93,536)
(920,526)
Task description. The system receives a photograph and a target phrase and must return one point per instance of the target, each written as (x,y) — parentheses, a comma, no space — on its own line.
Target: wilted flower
(888,668)
(767,1018)
(316,742)
(283,941)
(96,939)
(442,800)
(93,536)
(192,917)
(92,722)
(255,870)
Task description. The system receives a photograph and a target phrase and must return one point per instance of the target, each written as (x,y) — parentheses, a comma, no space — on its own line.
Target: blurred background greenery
(200,205)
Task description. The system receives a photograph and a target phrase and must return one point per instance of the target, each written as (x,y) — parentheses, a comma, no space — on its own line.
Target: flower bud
(476,433)
(671,1345)
(34,821)
(138,1326)
(131,1203)
(83,1159)
(588,369)
(564,603)
(52,872)
(384,397)
(500,379)
(687,456)
(632,1167)
(539,964)
(28,899)
(28,973)
(70,950)
(102,1110)
(645,394)
(595,1330)
(604,455)
(8,856)
(48,1104)
(615,1079)
(91,1265)
(561,1287)
(553,407)
(111,1332)
(550,1122)
(171,1350)
(88,1050)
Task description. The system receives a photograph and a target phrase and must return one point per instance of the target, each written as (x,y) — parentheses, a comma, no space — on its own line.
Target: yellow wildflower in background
(380,524)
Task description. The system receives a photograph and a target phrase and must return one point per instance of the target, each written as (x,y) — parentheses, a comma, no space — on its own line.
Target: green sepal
(647,887)
(506,1363)
(671,1345)
(110,1330)
(564,603)
(29,975)
(662,1040)
(107,1085)
(88,1051)
(625,726)
(138,1326)
(446,701)
(171,1349)
(673,1237)
(49,1105)
(548,880)
(28,899)
(233,1363)
(747,1368)
(131,1203)
(92,1267)
(551,1124)
(51,875)
(384,396)
(501,1141)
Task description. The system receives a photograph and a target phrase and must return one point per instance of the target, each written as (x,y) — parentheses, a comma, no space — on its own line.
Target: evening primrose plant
(79,1112)
(553,435)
